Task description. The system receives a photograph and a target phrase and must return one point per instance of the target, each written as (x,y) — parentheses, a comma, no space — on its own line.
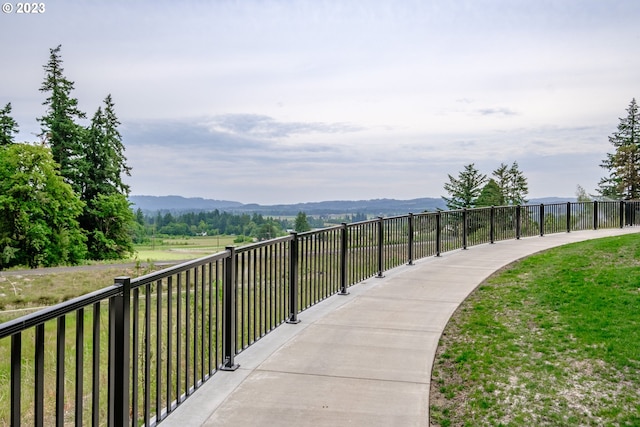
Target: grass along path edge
(553,339)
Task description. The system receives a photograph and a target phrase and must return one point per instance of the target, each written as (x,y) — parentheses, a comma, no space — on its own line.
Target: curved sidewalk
(363,359)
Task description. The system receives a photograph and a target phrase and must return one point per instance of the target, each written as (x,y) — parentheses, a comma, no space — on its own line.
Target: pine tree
(490,195)
(581,194)
(624,163)
(465,189)
(8,126)
(102,189)
(103,153)
(301,223)
(59,125)
(512,183)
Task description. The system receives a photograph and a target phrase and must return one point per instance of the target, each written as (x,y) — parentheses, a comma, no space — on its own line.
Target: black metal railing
(130,353)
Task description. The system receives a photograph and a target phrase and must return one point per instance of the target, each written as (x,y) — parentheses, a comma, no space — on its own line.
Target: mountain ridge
(382,207)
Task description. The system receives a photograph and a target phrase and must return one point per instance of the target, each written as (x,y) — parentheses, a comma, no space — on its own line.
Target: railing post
(541,219)
(410,231)
(119,336)
(293,279)
(380,247)
(229,312)
(343,260)
(622,209)
(595,214)
(16,381)
(518,222)
(492,225)
(568,217)
(465,228)
(438,233)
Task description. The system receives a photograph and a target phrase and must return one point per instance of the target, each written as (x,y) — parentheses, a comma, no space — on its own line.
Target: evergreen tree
(624,163)
(103,165)
(139,216)
(302,224)
(8,126)
(59,125)
(581,194)
(512,183)
(104,160)
(490,195)
(465,189)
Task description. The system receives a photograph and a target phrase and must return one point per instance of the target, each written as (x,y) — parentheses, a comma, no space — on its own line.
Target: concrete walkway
(359,360)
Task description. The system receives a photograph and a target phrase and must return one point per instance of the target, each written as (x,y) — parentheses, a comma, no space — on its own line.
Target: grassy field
(21,292)
(552,340)
(182,248)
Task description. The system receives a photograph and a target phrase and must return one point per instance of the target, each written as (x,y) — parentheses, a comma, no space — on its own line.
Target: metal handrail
(170,330)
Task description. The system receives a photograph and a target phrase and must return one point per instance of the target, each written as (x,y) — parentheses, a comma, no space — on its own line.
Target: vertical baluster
(178,336)
(16,377)
(135,351)
(147,354)
(170,348)
(60,357)
(79,392)
(159,319)
(187,330)
(95,358)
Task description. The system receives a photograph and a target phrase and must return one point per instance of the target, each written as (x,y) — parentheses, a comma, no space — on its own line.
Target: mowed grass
(183,248)
(553,339)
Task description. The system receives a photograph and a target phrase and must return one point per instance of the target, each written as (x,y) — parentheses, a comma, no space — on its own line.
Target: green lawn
(552,340)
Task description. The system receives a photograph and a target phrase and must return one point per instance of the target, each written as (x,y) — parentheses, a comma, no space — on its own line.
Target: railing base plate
(230,368)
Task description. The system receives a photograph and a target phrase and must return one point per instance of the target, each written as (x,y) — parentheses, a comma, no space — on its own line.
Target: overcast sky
(274,101)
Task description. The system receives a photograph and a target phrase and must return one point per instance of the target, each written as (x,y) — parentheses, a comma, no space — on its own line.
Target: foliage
(110,237)
(465,189)
(469,190)
(59,127)
(38,210)
(103,151)
(490,195)
(107,218)
(623,164)
(301,224)
(512,183)
(212,223)
(581,194)
(91,160)
(8,126)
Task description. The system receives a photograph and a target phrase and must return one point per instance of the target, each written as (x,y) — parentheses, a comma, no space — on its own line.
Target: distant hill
(179,203)
(382,207)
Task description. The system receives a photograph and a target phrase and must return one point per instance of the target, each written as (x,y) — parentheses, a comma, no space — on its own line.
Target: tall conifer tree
(105,162)
(107,217)
(59,126)
(465,189)
(624,163)
(8,126)
(513,184)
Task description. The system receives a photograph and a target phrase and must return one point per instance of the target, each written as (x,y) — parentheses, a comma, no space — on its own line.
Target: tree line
(214,222)
(63,200)
(209,224)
